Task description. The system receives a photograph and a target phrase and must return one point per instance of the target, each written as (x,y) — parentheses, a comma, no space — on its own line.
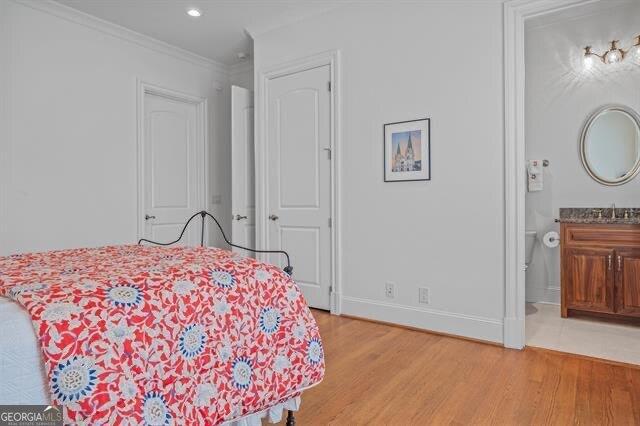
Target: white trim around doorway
(203,150)
(516,12)
(331,58)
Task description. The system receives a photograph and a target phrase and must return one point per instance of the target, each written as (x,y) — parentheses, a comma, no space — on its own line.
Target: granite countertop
(587,215)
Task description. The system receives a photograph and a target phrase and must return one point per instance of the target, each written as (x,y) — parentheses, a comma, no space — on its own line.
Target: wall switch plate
(423,295)
(390,290)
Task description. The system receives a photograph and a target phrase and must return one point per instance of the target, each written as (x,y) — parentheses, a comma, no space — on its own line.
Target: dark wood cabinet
(600,270)
(589,279)
(627,286)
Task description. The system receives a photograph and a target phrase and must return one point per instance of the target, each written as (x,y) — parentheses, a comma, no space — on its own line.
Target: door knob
(147,217)
(273,217)
(238,217)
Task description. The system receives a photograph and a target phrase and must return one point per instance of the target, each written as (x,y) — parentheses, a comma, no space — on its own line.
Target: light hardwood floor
(380,374)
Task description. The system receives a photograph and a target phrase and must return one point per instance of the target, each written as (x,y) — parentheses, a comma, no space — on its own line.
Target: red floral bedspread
(156,335)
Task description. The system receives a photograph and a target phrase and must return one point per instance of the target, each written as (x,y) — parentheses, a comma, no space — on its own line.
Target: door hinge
(330,222)
(328,153)
(329,86)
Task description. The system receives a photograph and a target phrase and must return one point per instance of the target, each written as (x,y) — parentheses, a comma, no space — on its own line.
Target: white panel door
(243,205)
(299,186)
(171,169)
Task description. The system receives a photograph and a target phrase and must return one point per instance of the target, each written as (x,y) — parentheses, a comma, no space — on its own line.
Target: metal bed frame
(291,420)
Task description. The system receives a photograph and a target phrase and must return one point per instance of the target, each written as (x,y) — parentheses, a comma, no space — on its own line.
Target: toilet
(529,244)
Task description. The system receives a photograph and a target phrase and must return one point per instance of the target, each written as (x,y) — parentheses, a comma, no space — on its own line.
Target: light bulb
(634,52)
(614,54)
(612,57)
(588,61)
(193,12)
(589,58)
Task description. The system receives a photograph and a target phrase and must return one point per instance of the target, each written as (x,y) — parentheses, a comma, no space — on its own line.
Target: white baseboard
(429,319)
(546,303)
(549,294)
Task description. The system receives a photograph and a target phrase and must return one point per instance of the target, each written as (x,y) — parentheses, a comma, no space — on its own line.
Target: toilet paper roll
(551,239)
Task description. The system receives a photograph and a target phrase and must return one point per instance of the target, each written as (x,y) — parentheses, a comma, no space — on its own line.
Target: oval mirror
(610,145)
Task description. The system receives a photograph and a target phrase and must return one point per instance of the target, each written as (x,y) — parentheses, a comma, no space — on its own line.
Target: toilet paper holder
(551,239)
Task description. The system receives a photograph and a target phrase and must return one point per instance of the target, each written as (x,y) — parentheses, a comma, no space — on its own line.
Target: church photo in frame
(407,150)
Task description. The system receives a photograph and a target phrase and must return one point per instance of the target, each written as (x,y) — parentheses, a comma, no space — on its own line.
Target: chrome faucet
(613,211)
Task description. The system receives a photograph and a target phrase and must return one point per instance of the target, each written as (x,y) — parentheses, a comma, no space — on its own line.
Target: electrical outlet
(390,290)
(423,295)
(216,199)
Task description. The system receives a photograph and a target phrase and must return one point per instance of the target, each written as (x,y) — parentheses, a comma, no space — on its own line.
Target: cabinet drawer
(602,235)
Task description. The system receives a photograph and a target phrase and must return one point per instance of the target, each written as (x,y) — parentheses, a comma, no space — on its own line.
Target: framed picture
(407,150)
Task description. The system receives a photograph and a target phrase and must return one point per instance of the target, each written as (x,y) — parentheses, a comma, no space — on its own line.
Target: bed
(155,334)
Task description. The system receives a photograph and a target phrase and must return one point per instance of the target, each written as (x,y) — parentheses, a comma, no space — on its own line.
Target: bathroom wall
(560,95)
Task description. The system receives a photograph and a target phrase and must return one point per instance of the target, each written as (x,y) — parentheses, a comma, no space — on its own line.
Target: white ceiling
(220,34)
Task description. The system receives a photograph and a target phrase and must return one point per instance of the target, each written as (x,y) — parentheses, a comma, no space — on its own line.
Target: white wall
(560,96)
(405,61)
(242,75)
(4,122)
(72,115)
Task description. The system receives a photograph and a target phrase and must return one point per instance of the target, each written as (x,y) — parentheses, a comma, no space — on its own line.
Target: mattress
(167,334)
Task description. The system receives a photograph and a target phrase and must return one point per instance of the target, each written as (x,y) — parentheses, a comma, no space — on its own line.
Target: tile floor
(545,328)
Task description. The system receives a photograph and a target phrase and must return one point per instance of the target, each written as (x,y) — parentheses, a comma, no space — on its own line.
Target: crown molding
(260,29)
(590,10)
(73,15)
(529,9)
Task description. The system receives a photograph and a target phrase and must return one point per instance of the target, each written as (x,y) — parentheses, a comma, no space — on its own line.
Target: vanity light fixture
(614,55)
(194,13)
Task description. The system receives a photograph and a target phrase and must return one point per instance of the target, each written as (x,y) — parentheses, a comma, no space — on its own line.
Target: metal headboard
(204,214)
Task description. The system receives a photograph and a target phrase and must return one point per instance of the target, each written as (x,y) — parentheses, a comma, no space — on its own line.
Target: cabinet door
(588,279)
(627,264)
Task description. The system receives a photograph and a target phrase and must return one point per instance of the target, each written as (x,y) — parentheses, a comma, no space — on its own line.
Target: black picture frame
(428,150)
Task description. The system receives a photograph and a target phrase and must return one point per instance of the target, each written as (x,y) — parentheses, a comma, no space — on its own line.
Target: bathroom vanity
(600,248)
(600,262)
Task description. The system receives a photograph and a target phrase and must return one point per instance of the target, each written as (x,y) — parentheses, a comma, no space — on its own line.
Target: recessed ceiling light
(193,12)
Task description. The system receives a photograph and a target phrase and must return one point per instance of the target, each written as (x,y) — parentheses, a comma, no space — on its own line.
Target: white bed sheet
(23,379)
(22,375)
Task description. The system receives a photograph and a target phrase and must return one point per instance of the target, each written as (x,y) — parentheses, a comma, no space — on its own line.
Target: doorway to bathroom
(571,178)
